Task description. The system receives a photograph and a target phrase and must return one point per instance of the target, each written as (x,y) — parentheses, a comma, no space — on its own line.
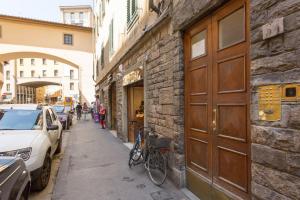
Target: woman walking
(85,110)
(102,114)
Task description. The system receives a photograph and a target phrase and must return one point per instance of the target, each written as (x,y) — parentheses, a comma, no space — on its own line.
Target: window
(55,62)
(52,114)
(71,74)
(15,119)
(55,72)
(71,86)
(232,29)
(44,61)
(68,39)
(48,119)
(102,58)
(32,73)
(131,12)
(72,18)
(44,73)
(198,44)
(67,18)
(21,73)
(8,87)
(111,37)
(7,75)
(103,8)
(21,61)
(81,17)
(32,61)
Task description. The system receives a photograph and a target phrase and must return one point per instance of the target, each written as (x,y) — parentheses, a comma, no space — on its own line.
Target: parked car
(65,115)
(33,133)
(14,179)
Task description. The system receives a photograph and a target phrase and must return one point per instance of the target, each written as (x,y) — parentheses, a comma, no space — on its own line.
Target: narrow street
(95,167)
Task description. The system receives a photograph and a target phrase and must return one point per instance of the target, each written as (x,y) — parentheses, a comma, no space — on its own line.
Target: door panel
(230,99)
(217,102)
(198,104)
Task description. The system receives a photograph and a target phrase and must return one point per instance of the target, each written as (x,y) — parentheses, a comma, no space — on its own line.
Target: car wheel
(42,181)
(59,146)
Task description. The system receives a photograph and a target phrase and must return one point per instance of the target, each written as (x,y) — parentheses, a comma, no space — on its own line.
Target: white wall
(83,59)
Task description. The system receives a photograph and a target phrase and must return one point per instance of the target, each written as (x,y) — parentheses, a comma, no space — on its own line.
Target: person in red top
(102,114)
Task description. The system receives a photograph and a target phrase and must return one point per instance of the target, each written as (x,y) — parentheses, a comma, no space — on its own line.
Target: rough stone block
(268,156)
(278,63)
(277,181)
(283,139)
(294,118)
(262,192)
(168,110)
(293,161)
(166,96)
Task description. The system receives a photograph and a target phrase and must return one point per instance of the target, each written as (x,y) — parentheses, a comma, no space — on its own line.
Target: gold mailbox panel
(269,103)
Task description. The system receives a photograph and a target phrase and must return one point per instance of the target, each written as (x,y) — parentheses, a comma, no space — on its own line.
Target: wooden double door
(217,104)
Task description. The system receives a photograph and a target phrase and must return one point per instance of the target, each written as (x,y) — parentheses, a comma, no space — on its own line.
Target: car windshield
(20,119)
(59,109)
(67,108)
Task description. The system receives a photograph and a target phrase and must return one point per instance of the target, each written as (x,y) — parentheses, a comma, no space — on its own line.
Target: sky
(38,9)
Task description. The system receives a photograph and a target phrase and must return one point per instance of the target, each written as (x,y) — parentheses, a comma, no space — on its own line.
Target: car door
(53,134)
(55,120)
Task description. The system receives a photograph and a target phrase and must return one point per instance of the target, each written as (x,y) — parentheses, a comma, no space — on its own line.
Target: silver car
(14,179)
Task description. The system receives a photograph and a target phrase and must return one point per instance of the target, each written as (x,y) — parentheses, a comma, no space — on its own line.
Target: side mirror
(52,128)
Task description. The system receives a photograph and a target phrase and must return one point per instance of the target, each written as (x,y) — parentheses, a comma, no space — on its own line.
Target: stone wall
(187,12)
(275,145)
(161,55)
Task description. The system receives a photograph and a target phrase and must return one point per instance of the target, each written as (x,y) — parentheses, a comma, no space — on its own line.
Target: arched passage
(17,55)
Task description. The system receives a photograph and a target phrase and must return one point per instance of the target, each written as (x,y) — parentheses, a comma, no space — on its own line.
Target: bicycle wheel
(134,155)
(157,167)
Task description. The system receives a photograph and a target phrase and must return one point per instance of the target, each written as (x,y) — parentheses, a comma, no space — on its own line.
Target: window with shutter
(111,37)
(131,12)
(102,58)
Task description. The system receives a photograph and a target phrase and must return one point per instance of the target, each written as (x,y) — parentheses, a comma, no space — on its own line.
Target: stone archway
(17,55)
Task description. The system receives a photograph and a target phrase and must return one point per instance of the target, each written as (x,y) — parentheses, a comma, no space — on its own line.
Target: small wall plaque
(269,103)
(273,28)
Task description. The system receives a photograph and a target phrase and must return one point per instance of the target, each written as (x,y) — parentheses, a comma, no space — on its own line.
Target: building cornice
(44,22)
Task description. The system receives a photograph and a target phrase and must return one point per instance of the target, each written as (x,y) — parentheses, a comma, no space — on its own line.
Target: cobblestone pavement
(95,167)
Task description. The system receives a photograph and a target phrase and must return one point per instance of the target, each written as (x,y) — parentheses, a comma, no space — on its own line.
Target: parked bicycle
(153,154)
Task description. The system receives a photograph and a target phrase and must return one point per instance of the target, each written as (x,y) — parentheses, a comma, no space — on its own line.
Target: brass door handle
(214,122)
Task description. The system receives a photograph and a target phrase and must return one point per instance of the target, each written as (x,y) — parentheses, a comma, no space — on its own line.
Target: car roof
(21,106)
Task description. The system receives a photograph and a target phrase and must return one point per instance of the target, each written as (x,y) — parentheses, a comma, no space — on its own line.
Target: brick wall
(275,145)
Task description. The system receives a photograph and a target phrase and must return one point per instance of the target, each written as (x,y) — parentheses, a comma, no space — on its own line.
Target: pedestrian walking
(97,108)
(78,111)
(85,110)
(102,114)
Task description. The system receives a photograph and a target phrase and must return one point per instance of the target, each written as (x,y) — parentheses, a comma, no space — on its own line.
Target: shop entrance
(217,104)
(135,95)
(113,106)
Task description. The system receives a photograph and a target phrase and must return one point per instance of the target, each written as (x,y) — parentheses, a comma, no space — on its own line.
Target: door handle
(214,122)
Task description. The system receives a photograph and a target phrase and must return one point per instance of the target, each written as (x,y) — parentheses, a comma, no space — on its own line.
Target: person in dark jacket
(78,111)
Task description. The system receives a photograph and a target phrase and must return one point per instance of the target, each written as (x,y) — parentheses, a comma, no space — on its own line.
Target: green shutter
(134,5)
(111,37)
(128,11)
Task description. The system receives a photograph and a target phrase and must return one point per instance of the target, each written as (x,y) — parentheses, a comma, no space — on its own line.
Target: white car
(33,133)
